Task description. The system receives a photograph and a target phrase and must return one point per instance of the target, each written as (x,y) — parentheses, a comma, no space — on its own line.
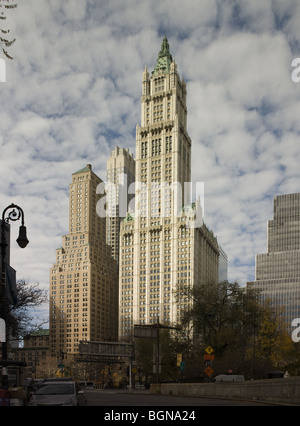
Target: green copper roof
(40,333)
(189,207)
(88,168)
(129,217)
(164,59)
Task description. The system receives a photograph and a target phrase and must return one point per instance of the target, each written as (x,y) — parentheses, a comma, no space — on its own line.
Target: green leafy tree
(247,336)
(144,356)
(145,353)
(224,316)
(273,342)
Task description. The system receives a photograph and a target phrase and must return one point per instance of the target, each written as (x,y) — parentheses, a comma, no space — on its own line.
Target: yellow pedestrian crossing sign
(209,350)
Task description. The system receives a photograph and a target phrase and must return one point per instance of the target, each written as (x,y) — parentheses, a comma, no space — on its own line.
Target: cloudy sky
(72,93)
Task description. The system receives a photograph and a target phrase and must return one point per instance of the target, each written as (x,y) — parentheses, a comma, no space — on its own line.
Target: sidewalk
(129,391)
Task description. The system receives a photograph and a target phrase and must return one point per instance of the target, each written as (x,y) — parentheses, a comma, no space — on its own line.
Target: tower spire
(164,59)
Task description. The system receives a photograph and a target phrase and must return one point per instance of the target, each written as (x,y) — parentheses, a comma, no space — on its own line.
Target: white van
(227,378)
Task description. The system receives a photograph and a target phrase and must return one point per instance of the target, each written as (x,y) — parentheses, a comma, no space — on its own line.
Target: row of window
(156,147)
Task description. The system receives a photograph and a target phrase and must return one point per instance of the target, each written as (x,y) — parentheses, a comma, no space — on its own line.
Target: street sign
(208,370)
(209,357)
(106,350)
(209,350)
(179,359)
(134,370)
(145,332)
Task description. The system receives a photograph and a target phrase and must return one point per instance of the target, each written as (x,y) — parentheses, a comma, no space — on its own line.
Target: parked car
(87,385)
(33,385)
(139,386)
(229,378)
(58,392)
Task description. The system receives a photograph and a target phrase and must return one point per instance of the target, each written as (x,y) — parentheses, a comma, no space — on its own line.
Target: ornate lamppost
(11,213)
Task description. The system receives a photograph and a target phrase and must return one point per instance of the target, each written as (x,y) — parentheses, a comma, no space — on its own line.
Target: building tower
(223,265)
(277,272)
(84,278)
(161,248)
(120,176)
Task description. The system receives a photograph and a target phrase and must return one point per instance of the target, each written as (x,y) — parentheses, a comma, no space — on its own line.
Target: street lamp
(11,213)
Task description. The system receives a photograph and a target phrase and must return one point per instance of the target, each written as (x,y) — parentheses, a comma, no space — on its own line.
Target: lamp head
(22,238)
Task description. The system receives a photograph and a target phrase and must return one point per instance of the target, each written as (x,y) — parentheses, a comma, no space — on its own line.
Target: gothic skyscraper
(164,246)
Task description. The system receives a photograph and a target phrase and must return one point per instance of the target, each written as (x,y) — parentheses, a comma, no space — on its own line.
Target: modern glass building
(277,272)
(223,265)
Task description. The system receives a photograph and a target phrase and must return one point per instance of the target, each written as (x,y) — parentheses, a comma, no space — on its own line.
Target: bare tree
(5,40)
(21,320)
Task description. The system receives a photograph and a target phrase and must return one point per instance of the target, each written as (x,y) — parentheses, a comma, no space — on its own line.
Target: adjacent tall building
(223,265)
(277,272)
(120,177)
(163,246)
(84,278)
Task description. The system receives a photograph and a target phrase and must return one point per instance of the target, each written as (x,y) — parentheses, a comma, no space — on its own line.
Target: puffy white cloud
(73,93)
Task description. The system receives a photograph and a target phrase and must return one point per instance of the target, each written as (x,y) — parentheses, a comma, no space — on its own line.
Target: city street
(114,398)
